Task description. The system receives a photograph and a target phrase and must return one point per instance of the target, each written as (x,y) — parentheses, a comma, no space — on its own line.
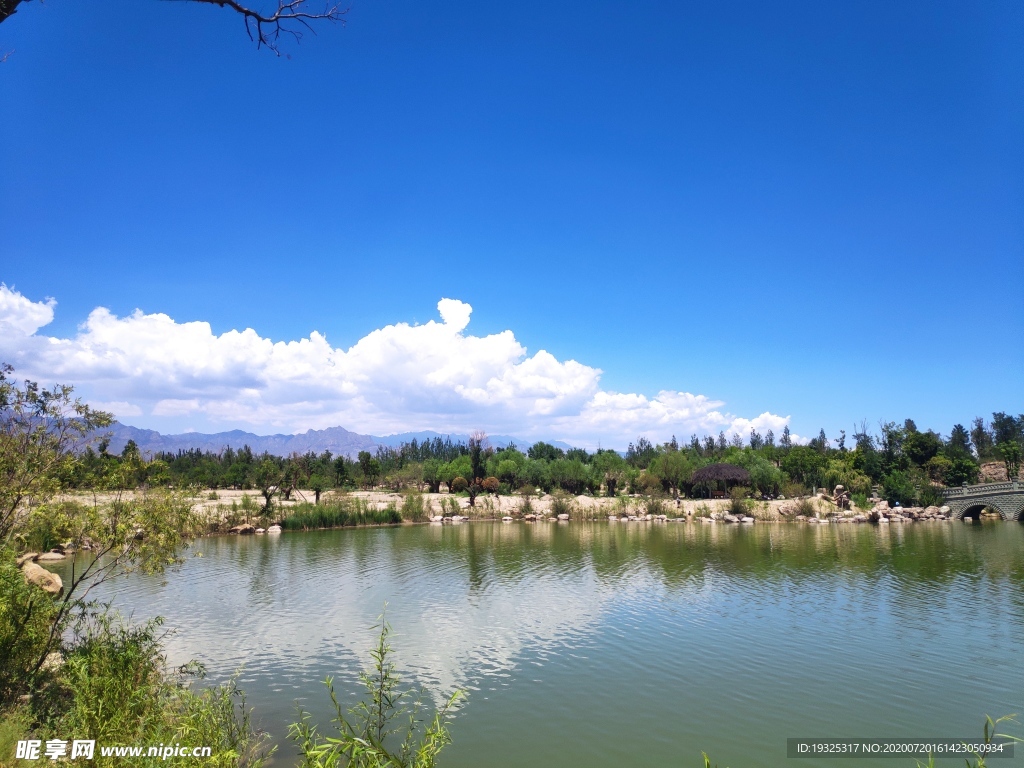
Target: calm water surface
(621,644)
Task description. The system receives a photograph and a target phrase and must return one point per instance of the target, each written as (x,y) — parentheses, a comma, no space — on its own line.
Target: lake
(615,644)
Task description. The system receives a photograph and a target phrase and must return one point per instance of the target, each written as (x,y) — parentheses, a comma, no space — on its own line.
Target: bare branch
(290,18)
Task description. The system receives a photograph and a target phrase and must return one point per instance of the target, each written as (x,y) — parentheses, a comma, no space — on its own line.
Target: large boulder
(27,557)
(244,530)
(42,578)
(50,557)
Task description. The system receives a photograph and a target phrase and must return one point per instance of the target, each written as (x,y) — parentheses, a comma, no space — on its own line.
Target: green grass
(344,513)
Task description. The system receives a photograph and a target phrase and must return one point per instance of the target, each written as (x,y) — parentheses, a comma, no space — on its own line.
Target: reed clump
(343,513)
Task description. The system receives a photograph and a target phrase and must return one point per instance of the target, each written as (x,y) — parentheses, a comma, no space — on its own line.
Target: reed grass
(343,513)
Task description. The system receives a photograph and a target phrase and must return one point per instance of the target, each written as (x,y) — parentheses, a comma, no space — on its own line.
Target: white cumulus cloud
(398,378)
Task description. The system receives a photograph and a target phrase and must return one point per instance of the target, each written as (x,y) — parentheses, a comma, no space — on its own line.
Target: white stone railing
(984,489)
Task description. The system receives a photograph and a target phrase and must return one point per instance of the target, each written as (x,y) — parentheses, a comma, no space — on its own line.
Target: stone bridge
(969,500)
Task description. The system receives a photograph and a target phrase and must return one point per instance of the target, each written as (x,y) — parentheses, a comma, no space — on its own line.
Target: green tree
(982,438)
(921,447)
(611,468)
(267,478)
(674,468)
(432,475)
(318,484)
(1011,458)
(38,430)
(545,452)
(897,487)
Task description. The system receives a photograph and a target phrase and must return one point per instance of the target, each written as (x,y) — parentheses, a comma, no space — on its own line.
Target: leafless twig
(291,17)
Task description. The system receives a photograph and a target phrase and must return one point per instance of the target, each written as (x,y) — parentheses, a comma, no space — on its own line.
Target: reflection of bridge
(969,500)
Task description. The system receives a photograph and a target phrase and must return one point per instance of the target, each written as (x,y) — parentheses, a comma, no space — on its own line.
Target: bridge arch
(1005,498)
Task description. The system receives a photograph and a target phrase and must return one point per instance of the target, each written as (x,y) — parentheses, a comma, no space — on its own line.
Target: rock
(27,557)
(812,520)
(274,529)
(49,557)
(613,519)
(563,516)
(506,519)
(800,518)
(42,578)
(748,519)
(530,517)
(243,530)
(780,497)
(436,518)
(261,530)
(883,519)
(944,510)
(931,511)
(54,660)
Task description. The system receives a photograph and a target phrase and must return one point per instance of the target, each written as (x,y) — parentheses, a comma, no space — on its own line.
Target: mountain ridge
(337,440)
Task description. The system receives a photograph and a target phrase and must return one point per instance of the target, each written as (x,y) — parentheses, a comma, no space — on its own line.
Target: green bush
(897,487)
(739,506)
(562,504)
(930,496)
(654,505)
(413,508)
(26,615)
(114,685)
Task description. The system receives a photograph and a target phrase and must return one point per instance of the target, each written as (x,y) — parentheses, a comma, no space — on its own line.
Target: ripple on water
(712,637)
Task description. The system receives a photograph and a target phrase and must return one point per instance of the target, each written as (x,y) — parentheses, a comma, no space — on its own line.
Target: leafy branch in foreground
(382,731)
(39,428)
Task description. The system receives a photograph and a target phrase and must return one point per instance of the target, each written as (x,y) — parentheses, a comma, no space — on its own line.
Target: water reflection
(732,629)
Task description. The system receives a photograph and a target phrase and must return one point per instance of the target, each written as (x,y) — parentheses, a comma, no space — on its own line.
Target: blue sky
(812,210)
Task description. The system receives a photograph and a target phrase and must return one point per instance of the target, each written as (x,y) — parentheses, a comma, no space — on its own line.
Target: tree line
(900,461)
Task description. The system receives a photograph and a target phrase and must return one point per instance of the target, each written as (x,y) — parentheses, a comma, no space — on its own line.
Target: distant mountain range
(337,440)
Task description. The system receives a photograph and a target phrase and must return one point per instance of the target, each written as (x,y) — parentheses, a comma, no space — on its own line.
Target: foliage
(382,731)
(115,686)
(898,488)
(1010,452)
(562,504)
(26,617)
(414,509)
(38,430)
(340,513)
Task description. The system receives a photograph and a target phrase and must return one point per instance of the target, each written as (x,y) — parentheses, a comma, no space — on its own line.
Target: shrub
(739,506)
(115,686)
(931,496)
(562,504)
(413,508)
(654,505)
(383,730)
(897,487)
(526,504)
(26,615)
(458,485)
(491,484)
(806,508)
(702,510)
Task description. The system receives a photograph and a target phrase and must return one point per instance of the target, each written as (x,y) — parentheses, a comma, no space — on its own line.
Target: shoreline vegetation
(71,665)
